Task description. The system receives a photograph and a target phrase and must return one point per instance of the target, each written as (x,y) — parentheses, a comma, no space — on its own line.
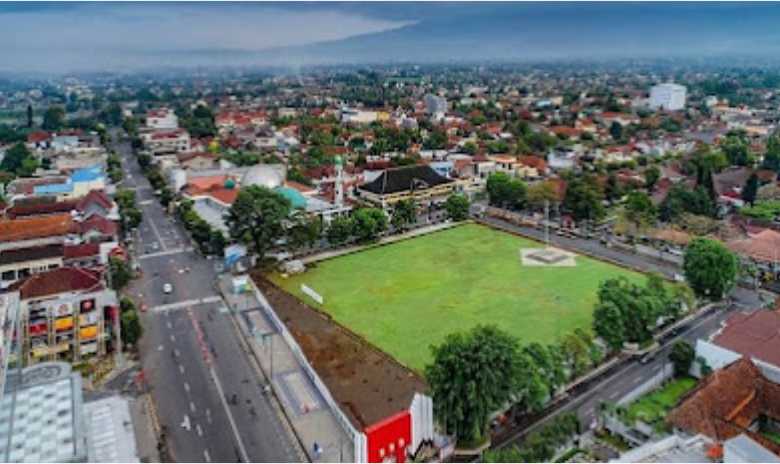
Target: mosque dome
(262,176)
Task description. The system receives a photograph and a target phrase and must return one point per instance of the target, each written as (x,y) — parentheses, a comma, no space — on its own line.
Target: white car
(167,288)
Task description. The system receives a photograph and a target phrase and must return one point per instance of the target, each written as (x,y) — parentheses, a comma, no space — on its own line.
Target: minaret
(339,197)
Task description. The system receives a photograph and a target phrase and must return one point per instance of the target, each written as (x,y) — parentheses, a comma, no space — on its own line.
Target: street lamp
(262,337)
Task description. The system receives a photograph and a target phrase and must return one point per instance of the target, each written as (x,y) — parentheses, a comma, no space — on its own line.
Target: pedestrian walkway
(382,241)
(307,411)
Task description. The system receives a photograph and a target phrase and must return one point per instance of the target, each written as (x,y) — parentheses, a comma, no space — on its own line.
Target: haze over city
(66,37)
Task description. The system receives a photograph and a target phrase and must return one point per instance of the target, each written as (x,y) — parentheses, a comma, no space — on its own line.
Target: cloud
(77,35)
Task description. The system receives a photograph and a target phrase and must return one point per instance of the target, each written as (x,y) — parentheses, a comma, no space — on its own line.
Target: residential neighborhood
(422,260)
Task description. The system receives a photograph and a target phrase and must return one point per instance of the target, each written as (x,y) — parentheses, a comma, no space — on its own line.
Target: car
(647,359)
(167,288)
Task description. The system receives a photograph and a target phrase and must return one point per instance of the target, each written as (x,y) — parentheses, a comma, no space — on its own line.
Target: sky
(72,36)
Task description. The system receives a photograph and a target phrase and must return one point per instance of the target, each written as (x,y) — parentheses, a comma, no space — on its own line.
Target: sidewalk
(307,412)
(382,241)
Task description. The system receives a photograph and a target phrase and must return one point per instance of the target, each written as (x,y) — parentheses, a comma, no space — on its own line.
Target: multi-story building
(670,97)
(435,106)
(162,119)
(163,142)
(66,314)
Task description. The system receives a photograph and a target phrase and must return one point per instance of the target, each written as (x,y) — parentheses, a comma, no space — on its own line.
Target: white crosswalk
(172,251)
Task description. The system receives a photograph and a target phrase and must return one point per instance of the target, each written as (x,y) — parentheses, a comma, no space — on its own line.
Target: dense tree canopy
(710,268)
(471,376)
(457,207)
(505,192)
(257,217)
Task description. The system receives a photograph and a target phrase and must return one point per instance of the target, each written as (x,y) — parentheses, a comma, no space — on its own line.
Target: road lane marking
(199,430)
(181,368)
(208,415)
(192,406)
(172,251)
(169,325)
(206,455)
(187,387)
(157,233)
(176,352)
(173,337)
(186,303)
(637,380)
(242,450)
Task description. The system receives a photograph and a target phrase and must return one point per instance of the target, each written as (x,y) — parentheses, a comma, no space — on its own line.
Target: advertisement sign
(63,309)
(314,295)
(88,333)
(87,305)
(88,319)
(65,323)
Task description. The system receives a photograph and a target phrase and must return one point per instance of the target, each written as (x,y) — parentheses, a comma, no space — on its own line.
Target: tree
(681,200)
(472,374)
(304,231)
(735,147)
(710,268)
(257,217)
(682,356)
(457,207)
(583,199)
(541,192)
(608,324)
(18,160)
(613,190)
(640,209)
(616,130)
(750,190)
(505,192)
(120,273)
(652,175)
(404,214)
(131,327)
(340,230)
(29,116)
(53,118)
(368,223)
(772,155)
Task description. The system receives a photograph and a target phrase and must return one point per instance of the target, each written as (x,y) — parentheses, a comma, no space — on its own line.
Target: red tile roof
(727,402)
(763,246)
(35,227)
(95,196)
(755,334)
(99,223)
(39,207)
(81,251)
(60,280)
(38,136)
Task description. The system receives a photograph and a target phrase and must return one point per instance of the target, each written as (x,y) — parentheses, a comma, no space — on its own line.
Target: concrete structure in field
(670,97)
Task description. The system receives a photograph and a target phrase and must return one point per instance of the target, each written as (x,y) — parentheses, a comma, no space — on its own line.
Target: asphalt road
(630,373)
(207,390)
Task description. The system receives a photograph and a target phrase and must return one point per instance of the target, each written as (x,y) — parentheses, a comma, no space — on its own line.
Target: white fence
(358,437)
(666,372)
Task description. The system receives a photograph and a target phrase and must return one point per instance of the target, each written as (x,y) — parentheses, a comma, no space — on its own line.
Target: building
(754,335)
(435,106)
(699,448)
(66,314)
(44,418)
(669,97)
(164,142)
(75,185)
(735,400)
(420,183)
(162,119)
(357,117)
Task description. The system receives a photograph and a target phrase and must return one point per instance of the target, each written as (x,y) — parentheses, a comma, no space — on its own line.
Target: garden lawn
(653,407)
(405,297)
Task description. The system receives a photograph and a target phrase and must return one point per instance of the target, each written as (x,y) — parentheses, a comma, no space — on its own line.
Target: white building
(166,141)
(162,118)
(435,106)
(670,97)
(356,116)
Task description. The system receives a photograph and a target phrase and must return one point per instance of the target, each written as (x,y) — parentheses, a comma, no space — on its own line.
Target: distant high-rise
(670,97)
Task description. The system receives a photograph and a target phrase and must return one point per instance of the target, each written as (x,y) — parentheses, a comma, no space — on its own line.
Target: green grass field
(408,296)
(653,407)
